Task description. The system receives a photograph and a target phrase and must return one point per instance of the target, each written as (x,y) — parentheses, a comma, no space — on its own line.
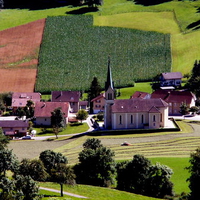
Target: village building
(136,113)
(173,79)
(67,96)
(14,128)
(43,111)
(175,99)
(98,103)
(141,95)
(19,99)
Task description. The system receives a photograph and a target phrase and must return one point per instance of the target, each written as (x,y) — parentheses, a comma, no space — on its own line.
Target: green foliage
(34,168)
(184,109)
(51,159)
(92,143)
(96,165)
(139,54)
(8,161)
(194,179)
(141,177)
(4,140)
(82,115)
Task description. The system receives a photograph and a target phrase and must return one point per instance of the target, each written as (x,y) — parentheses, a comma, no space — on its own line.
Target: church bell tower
(109,98)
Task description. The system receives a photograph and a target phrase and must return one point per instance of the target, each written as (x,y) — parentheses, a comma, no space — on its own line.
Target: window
(160,117)
(120,119)
(154,118)
(142,119)
(109,96)
(131,119)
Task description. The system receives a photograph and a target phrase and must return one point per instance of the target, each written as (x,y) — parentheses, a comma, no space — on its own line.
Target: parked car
(27,137)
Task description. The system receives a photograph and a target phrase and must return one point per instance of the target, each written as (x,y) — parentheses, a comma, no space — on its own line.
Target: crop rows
(73,51)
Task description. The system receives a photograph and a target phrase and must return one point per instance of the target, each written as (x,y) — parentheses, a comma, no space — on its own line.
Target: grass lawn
(68,130)
(96,192)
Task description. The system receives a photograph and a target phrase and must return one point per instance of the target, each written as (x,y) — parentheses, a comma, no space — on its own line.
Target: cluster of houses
(142,110)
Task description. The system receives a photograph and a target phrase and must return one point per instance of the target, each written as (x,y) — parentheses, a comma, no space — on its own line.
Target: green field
(80,52)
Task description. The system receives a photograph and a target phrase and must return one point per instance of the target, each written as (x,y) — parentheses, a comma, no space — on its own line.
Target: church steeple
(109,82)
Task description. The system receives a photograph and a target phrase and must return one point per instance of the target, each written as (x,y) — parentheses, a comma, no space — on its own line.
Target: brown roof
(172,75)
(102,95)
(44,109)
(14,124)
(137,105)
(65,96)
(83,103)
(174,96)
(19,99)
(139,94)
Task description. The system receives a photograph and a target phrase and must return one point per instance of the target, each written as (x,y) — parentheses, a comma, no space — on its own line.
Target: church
(132,113)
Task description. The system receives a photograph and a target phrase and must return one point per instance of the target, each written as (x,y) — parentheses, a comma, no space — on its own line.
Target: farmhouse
(98,103)
(67,96)
(135,113)
(43,112)
(19,99)
(175,99)
(170,79)
(14,128)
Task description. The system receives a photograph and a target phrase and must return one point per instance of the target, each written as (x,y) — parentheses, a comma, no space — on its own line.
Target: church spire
(109,82)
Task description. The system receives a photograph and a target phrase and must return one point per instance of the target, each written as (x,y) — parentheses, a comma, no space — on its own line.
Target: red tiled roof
(102,95)
(174,96)
(19,99)
(14,124)
(65,96)
(137,105)
(139,94)
(172,75)
(83,103)
(44,109)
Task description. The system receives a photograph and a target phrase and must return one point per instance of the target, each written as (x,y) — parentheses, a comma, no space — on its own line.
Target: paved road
(67,193)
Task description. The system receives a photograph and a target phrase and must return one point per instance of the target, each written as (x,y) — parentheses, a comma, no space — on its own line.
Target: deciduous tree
(82,115)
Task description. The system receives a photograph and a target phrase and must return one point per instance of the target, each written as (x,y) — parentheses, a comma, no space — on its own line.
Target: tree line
(96,167)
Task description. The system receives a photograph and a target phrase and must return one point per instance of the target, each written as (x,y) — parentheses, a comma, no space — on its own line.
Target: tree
(96,167)
(8,161)
(29,109)
(57,120)
(92,143)
(82,115)
(194,179)
(184,109)
(26,187)
(63,174)
(4,140)
(94,91)
(141,177)
(33,168)
(194,109)
(51,159)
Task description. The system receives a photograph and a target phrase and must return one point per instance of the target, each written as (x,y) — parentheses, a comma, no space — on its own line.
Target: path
(67,193)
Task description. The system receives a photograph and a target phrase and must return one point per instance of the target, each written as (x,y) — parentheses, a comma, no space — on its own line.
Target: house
(135,113)
(171,79)
(43,112)
(14,128)
(98,103)
(19,99)
(67,96)
(175,99)
(141,95)
(83,105)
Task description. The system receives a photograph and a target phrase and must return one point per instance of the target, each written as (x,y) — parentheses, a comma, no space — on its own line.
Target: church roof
(137,105)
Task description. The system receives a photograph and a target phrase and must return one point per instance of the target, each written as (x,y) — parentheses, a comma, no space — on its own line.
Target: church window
(120,119)
(109,96)
(154,118)
(142,118)
(160,117)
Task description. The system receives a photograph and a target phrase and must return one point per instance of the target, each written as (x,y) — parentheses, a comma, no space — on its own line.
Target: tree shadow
(38,4)
(83,10)
(194,25)
(150,2)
